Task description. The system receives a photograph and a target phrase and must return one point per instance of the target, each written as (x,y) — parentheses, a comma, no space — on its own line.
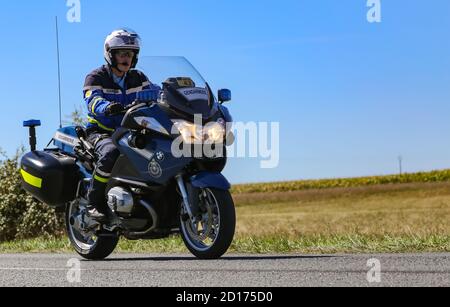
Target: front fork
(190,195)
(185,196)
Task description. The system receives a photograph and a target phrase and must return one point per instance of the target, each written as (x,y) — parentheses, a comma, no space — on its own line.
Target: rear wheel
(210,237)
(86,243)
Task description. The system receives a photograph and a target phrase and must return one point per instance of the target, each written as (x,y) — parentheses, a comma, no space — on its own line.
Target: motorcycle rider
(107,91)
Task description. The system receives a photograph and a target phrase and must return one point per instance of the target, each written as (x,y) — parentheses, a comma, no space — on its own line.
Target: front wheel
(210,236)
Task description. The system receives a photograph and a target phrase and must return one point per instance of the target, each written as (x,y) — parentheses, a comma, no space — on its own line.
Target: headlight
(213,132)
(190,132)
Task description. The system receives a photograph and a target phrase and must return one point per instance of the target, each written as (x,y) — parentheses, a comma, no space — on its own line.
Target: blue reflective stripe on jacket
(100,90)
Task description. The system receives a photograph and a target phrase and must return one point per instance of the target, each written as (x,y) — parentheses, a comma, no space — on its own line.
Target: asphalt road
(231,271)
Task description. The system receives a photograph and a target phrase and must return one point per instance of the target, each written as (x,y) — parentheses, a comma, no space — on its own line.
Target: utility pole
(400,161)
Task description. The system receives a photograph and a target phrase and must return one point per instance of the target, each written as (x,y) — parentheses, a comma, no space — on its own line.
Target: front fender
(210,180)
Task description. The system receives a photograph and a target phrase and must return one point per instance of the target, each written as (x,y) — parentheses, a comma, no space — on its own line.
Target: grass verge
(351,243)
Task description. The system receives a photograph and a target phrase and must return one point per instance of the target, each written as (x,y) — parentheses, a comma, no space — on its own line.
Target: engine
(120,201)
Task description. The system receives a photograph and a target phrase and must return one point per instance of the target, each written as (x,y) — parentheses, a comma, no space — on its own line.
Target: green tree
(77,117)
(21,216)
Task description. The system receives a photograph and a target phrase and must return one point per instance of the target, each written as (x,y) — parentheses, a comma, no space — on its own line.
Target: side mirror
(224,95)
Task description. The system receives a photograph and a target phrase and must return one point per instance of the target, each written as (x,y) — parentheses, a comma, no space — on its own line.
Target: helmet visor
(125,42)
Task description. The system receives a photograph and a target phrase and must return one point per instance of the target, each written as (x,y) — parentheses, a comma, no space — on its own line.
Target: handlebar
(132,105)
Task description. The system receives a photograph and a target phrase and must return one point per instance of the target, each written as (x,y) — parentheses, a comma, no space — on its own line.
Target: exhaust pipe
(154,216)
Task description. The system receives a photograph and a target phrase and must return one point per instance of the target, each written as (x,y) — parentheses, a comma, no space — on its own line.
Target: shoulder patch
(88,94)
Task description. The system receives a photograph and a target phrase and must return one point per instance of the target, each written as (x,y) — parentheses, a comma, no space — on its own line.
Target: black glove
(114,109)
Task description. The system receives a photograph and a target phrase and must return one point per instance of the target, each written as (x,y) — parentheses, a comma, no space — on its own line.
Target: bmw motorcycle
(156,189)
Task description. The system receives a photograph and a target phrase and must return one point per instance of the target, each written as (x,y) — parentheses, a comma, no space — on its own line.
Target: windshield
(160,68)
(184,89)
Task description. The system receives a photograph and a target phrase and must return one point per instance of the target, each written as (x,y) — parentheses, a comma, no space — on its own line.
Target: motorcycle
(154,191)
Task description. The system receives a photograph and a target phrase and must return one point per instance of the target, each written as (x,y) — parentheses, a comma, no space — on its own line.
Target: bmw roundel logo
(160,156)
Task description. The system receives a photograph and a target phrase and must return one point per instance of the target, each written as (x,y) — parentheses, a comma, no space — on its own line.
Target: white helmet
(122,39)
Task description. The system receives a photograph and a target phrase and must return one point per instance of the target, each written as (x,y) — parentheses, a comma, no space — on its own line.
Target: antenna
(59,73)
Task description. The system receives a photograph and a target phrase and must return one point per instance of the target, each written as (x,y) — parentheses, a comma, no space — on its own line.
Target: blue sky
(350,96)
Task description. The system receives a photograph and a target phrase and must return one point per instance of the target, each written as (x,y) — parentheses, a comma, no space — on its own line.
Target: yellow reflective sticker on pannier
(31,180)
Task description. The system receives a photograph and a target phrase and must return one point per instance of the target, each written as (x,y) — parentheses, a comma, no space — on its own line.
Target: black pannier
(50,176)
